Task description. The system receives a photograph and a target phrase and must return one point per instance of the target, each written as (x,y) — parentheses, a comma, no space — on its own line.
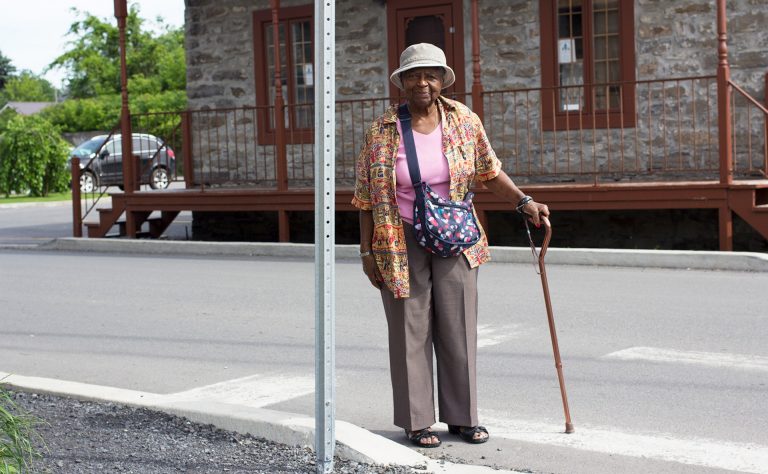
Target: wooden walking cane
(551,319)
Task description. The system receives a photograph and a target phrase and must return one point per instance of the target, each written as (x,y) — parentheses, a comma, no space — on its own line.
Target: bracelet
(523,201)
(365,254)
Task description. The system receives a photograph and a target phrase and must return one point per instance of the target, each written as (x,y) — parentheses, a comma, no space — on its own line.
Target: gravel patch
(82,437)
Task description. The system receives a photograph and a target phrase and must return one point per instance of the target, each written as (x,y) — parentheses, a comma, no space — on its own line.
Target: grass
(17,428)
(53,197)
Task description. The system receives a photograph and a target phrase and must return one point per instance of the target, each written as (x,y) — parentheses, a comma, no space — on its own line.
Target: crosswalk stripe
(744,457)
(709,359)
(256,391)
(488,335)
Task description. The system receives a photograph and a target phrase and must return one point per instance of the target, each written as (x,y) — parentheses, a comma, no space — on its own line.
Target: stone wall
(676,39)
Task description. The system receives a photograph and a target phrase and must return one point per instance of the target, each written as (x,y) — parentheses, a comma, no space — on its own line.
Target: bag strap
(410,146)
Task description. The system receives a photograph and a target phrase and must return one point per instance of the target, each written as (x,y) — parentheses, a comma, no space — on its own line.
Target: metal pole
(325,280)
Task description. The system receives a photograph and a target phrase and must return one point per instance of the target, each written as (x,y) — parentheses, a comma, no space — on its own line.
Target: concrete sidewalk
(353,443)
(679,259)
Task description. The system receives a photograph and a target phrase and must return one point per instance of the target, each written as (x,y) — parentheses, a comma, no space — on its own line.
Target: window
(587,63)
(296,71)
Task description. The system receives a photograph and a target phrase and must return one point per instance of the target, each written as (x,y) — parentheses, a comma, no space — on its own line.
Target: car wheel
(159,178)
(87,182)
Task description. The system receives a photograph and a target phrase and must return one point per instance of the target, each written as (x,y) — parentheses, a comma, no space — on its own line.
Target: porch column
(723,97)
(129,183)
(725,228)
(477,84)
(281,157)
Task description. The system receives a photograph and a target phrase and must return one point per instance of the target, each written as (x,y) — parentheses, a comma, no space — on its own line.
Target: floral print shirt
(470,157)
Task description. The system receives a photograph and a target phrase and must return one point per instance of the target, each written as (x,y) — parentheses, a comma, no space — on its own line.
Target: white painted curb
(355,443)
(684,259)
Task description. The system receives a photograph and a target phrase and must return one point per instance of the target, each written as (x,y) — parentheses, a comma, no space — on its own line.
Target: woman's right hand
(371,270)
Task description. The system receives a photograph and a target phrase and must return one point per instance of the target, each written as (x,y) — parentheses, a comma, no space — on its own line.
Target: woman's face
(422,85)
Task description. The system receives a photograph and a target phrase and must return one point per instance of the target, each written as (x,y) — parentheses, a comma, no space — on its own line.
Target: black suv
(158,161)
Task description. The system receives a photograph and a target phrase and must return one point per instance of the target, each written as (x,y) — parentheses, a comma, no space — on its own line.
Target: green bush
(33,157)
(16,433)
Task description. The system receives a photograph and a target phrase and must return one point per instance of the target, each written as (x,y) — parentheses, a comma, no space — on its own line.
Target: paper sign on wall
(566,51)
(309,75)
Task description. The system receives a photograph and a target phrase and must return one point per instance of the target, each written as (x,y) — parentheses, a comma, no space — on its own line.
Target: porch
(677,143)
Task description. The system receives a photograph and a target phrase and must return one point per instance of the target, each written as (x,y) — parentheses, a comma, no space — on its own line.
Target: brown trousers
(441,313)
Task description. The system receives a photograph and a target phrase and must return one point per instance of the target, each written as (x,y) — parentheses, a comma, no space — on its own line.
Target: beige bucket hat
(422,55)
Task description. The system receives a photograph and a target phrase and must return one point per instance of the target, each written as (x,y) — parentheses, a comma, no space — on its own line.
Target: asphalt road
(666,370)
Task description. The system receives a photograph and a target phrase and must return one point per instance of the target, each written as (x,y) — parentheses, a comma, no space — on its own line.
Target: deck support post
(77,214)
(723,98)
(724,124)
(283,226)
(281,156)
(725,228)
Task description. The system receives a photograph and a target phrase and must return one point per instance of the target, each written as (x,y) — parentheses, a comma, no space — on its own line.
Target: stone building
(227,52)
(570,91)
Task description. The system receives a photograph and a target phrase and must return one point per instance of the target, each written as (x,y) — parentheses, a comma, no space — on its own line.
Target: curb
(674,259)
(353,443)
(20,205)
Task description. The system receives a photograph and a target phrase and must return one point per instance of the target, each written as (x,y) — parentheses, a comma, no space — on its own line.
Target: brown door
(425,21)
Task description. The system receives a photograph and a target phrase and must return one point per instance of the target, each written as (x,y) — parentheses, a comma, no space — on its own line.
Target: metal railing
(663,129)
(656,129)
(750,134)
(93,177)
(86,188)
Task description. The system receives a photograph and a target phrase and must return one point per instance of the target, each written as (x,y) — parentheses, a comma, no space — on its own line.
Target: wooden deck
(748,199)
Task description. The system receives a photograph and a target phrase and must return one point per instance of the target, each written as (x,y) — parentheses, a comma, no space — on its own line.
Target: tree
(27,87)
(33,157)
(6,69)
(154,63)
(103,113)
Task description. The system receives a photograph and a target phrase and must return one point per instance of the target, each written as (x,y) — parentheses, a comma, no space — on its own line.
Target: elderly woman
(430,301)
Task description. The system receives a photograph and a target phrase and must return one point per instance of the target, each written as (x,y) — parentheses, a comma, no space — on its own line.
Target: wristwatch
(365,254)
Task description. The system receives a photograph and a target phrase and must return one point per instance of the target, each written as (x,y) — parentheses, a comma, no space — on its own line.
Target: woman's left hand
(534,211)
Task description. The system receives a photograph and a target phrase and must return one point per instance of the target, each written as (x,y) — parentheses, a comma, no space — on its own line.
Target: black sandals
(416,438)
(468,433)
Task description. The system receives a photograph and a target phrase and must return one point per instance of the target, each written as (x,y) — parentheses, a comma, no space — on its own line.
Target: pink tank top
(433,166)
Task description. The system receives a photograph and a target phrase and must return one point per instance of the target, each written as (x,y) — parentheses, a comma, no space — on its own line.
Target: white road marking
(488,335)
(709,359)
(705,452)
(256,391)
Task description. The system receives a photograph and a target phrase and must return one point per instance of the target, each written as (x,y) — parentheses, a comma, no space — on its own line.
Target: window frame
(262,22)
(587,118)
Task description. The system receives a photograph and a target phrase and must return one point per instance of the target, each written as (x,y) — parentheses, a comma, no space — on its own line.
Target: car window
(145,144)
(114,147)
(87,148)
